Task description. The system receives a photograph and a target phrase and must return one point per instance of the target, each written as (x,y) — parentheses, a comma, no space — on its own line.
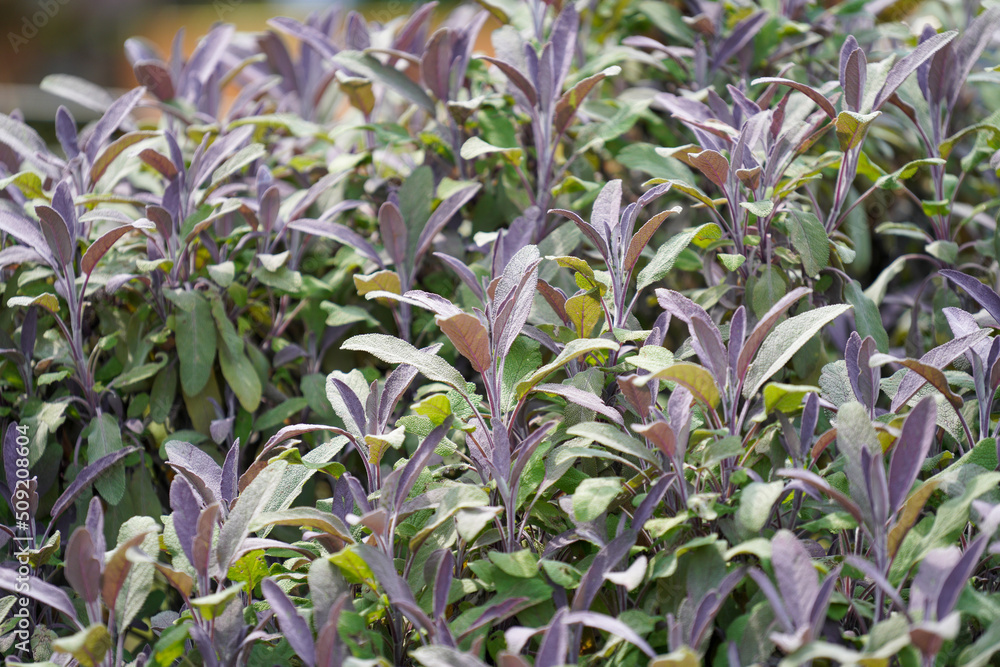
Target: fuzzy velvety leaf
(582,398)
(907,65)
(250,503)
(395,351)
(983,295)
(668,253)
(573,349)
(786,339)
(809,239)
(56,233)
(713,165)
(112,119)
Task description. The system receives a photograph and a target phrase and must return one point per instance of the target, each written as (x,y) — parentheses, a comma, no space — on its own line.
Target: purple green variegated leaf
(712,604)
(517,79)
(293,626)
(741,35)
(95,524)
(116,571)
(771,593)
(983,295)
(908,64)
(83,568)
(469,337)
(438,571)
(816,482)
(463,272)
(112,120)
(808,91)
(445,211)
(605,216)
(186,509)
(526,448)
(435,65)
(795,574)
(588,230)
(869,570)
(929,368)
(197,467)
(555,642)
(229,484)
(764,327)
(201,543)
(393,230)
(955,582)
(582,398)
(513,298)
(418,462)
(40,591)
(876,485)
(66,132)
(26,232)
(87,476)
(100,247)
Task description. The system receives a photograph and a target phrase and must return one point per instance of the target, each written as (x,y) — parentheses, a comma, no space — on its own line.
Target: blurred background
(86,37)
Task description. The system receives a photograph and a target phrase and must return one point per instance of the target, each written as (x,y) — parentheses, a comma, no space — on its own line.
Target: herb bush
(664,334)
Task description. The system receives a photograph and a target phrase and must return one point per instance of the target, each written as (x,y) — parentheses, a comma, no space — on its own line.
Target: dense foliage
(664,334)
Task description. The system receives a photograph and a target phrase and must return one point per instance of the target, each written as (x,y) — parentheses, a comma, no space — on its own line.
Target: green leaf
(284,279)
(866,316)
(236,366)
(667,254)
(475,147)
(612,437)
(761,209)
(593,495)
(786,339)
(195,335)
(521,564)
(906,172)
(767,290)
(756,502)
(212,606)
(852,128)
(785,398)
(523,359)
(88,646)
(573,349)
(731,262)
(809,239)
(104,437)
